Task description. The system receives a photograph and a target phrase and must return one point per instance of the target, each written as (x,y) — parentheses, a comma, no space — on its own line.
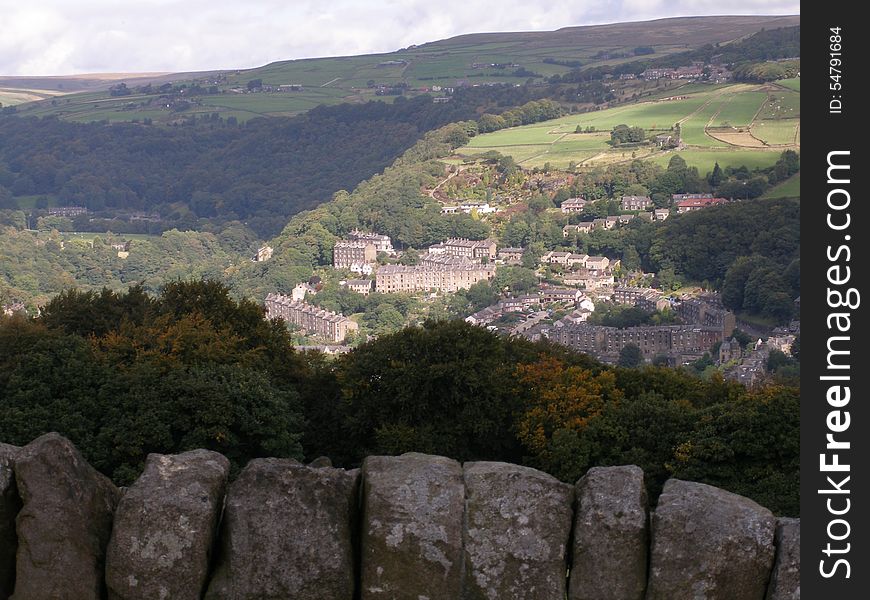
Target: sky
(64,37)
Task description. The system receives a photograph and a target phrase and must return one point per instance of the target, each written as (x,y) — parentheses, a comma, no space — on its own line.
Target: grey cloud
(49,37)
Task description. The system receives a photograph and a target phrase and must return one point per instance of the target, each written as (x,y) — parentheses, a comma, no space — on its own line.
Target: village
(560,308)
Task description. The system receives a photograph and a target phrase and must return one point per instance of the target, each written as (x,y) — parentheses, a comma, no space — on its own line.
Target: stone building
(310,319)
(382,243)
(471,249)
(347,253)
(606,342)
(709,313)
(444,277)
(359,286)
(635,202)
(573,205)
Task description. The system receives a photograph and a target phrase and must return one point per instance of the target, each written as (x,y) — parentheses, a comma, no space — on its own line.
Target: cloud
(59,37)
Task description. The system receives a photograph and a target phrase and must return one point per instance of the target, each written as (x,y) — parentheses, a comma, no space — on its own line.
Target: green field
(13,97)
(782,105)
(555,141)
(705,159)
(792,84)
(739,110)
(790,188)
(777,131)
(692,130)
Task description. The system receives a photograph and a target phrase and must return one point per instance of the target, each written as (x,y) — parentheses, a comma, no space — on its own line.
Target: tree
(715,177)
(560,401)
(630,356)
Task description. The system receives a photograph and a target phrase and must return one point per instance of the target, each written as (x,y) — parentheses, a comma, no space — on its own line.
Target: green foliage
(630,356)
(623,134)
(703,245)
(123,375)
(192,368)
(750,448)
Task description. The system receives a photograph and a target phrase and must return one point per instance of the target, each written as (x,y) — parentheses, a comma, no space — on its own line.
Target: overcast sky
(62,37)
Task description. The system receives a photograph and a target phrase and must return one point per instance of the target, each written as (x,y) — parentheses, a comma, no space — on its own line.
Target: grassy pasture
(740,109)
(778,131)
(792,84)
(734,157)
(555,141)
(782,105)
(692,130)
(790,188)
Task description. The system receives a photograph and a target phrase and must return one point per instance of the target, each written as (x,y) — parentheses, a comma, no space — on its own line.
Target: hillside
(474,59)
(734,125)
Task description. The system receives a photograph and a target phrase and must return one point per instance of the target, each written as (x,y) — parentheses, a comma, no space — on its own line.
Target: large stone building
(347,254)
(448,276)
(678,341)
(707,312)
(382,243)
(635,202)
(645,298)
(310,319)
(471,249)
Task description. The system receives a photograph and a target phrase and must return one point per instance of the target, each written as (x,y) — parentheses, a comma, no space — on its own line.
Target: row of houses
(310,319)
(480,208)
(360,250)
(570,259)
(679,342)
(527,302)
(578,204)
(471,249)
(431,275)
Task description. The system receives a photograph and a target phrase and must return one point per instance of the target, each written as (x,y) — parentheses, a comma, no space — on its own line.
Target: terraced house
(310,319)
(442,277)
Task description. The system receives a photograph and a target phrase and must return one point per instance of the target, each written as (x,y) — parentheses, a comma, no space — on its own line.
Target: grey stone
(321,461)
(709,544)
(411,541)
(287,533)
(785,581)
(64,523)
(517,525)
(610,535)
(165,526)
(10,504)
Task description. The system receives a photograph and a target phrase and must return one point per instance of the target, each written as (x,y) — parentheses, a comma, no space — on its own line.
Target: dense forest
(126,374)
(213,171)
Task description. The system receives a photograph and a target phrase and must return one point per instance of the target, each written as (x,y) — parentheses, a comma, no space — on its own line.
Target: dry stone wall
(415,527)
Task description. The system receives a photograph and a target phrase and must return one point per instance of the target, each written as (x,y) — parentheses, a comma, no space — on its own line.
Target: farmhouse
(572,205)
(577,259)
(556,258)
(360,286)
(635,202)
(684,206)
(510,255)
(263,253)
(67,211)
(597,263)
